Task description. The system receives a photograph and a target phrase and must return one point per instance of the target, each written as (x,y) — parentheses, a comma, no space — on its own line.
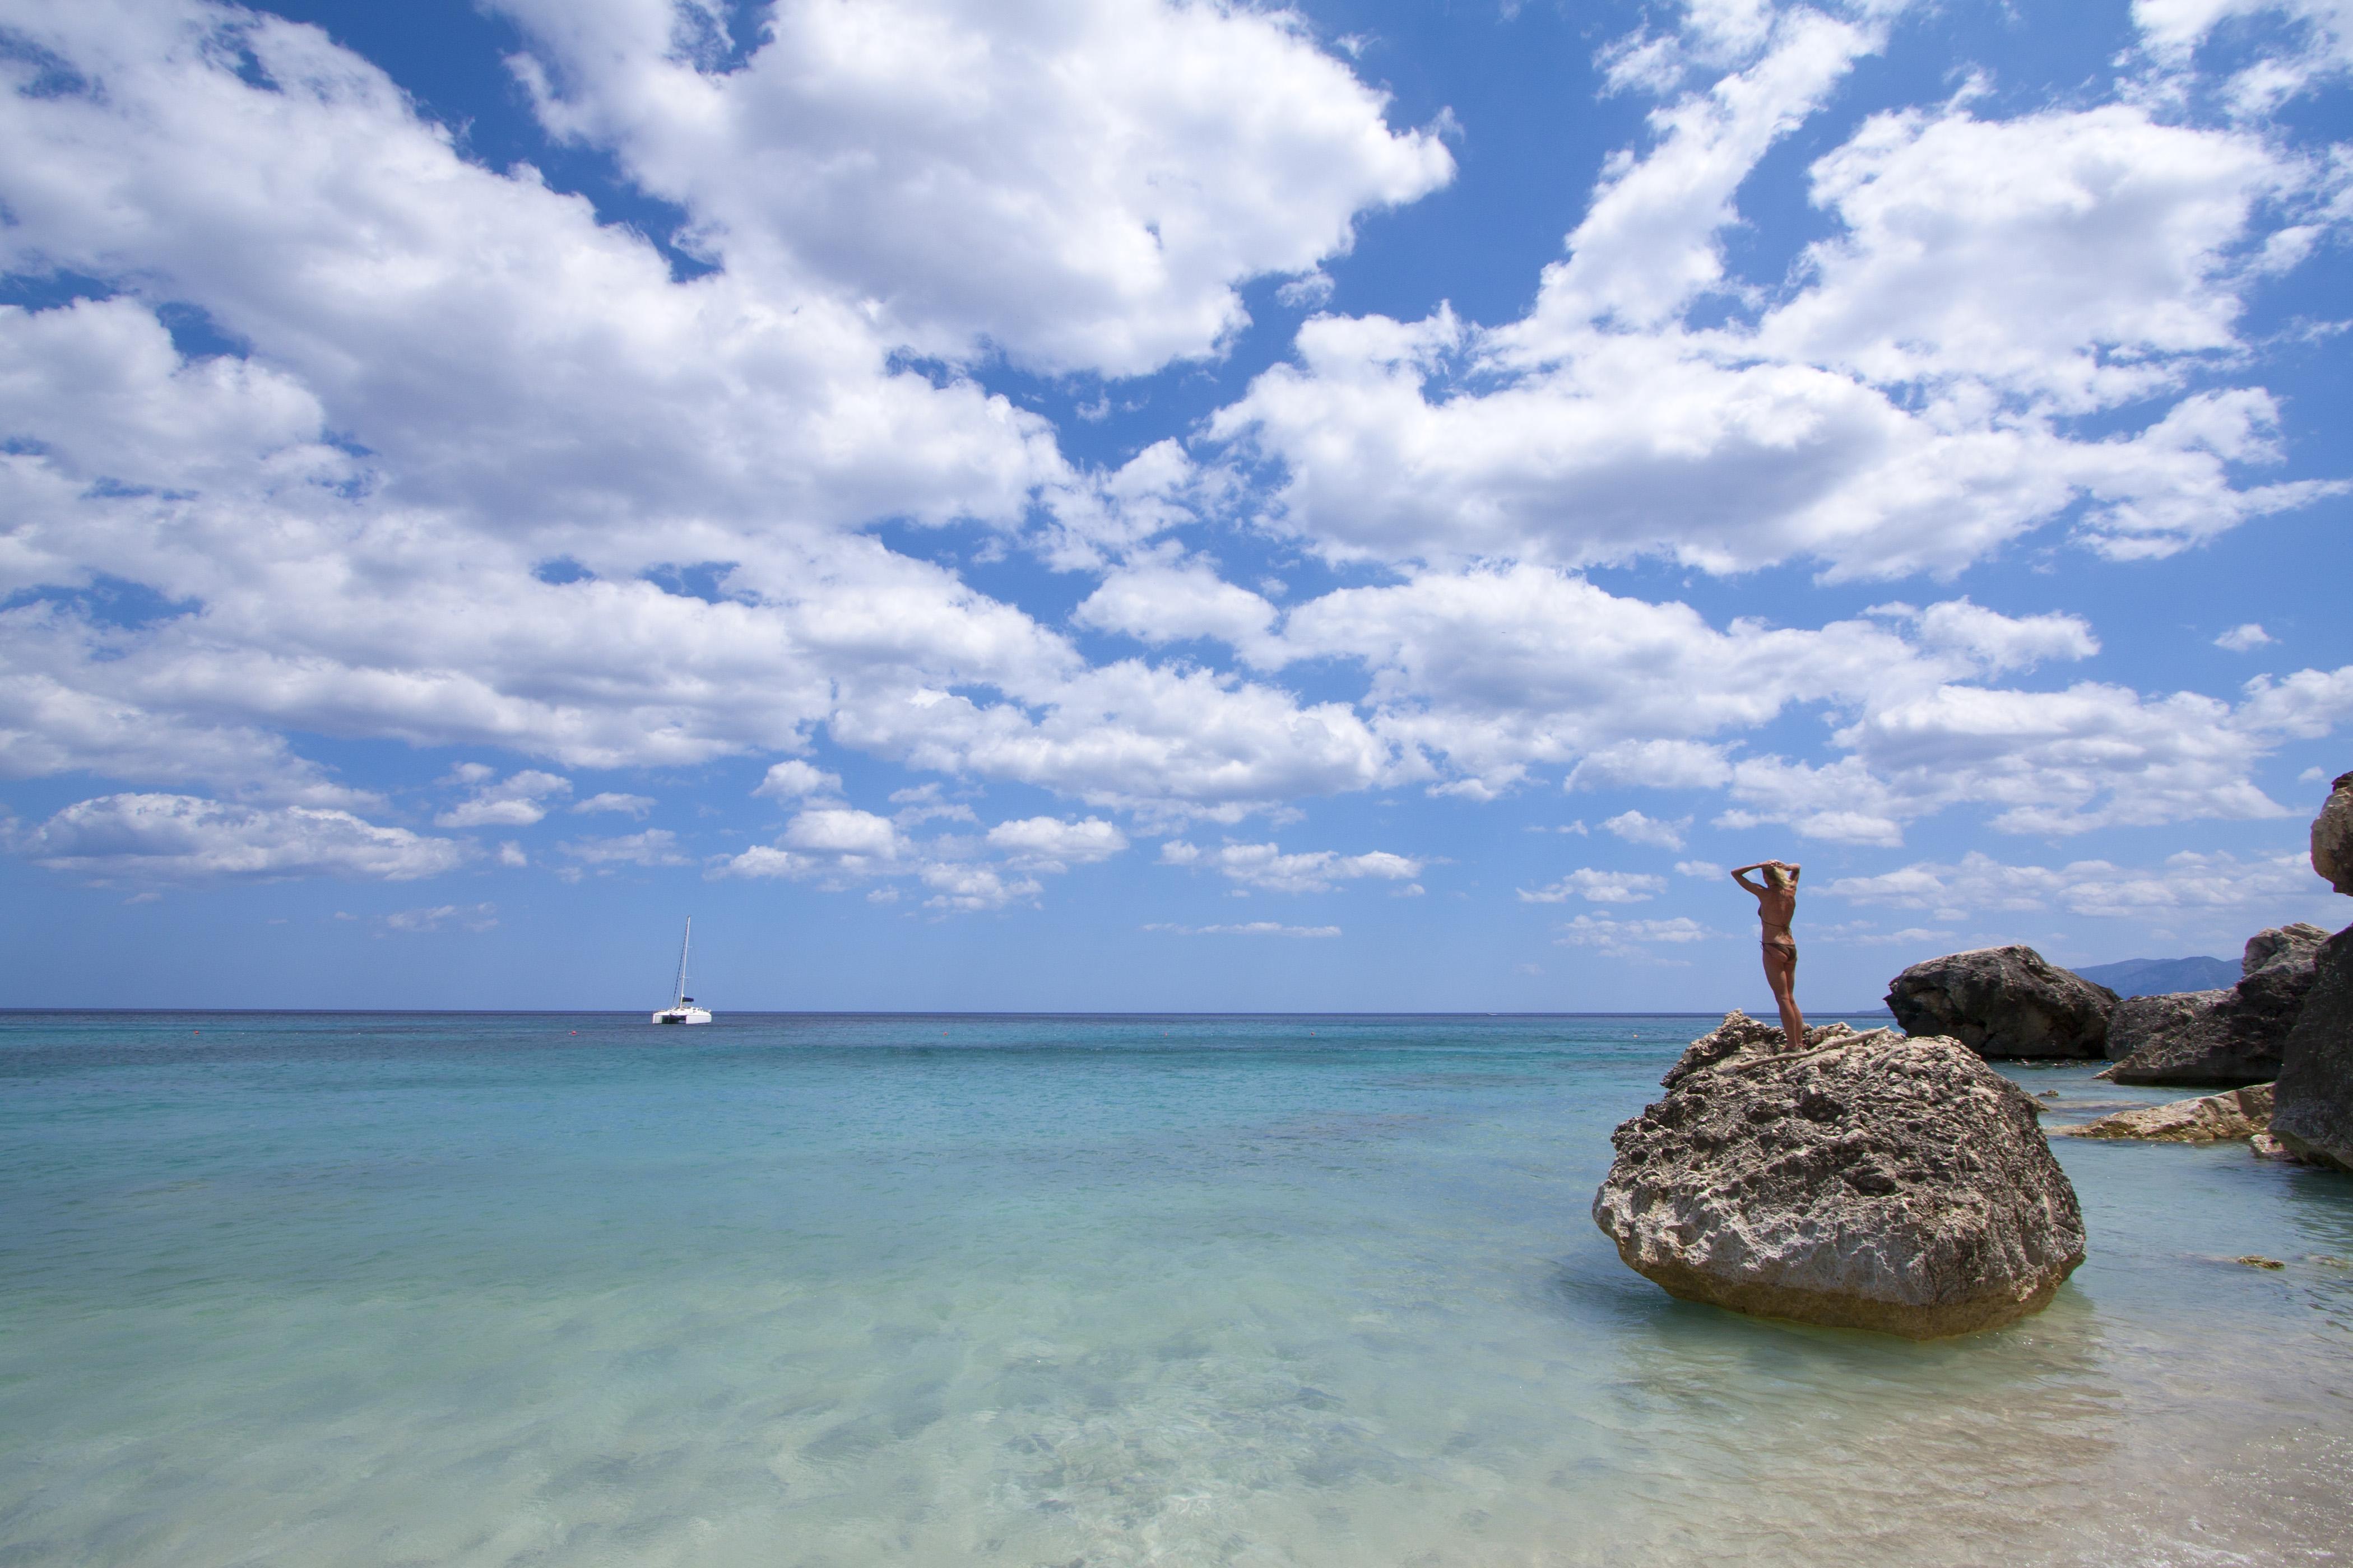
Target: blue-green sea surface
(373,1289)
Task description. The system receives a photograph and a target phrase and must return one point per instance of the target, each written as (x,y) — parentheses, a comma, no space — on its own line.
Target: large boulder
(2003,1002)
(2142,1025)
(2331,836)
(1740,1033)
(2268,951)
(2313,1115)
(2234,1113)
(2279,970)
(1870,1181)
(2235,1036)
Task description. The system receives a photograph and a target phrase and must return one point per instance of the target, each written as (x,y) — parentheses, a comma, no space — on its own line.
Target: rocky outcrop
(2280,947)
(2280,968)
(2314,1116)
(2191,1022)
(2003,1002)
(1868,1182)
(1738,1033)
(2235,1113)
(2331,836)
(2233,1037)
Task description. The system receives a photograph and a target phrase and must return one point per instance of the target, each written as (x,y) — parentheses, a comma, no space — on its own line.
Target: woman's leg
(1781,974)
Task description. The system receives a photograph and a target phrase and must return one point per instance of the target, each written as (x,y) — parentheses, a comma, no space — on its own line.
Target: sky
(1142,506)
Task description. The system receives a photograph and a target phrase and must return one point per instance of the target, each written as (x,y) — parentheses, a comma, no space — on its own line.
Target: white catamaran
(682,1010)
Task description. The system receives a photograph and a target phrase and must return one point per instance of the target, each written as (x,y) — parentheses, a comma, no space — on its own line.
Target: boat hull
(681,1016)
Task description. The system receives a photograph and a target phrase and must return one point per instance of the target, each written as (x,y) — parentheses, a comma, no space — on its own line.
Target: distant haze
(2156,976)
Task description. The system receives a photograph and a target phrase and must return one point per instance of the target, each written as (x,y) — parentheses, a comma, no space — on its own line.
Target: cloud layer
(319,434)
(179,838)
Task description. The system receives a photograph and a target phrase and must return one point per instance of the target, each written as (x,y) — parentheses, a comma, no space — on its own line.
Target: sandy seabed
(854,1292)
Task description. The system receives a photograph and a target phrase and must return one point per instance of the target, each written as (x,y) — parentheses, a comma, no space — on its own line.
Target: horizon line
(902,1013)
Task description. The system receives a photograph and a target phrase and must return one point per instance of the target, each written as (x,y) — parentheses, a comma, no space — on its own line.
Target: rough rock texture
(2231,1036)
(1868,1183)
(2003,1002)
(2314,1116)
(2331,836)
(2267,1147)
(1738,1033)
(2234,1113)
(2141,1022)
(2292,944)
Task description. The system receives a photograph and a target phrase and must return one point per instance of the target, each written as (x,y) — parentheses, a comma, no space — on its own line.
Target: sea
(371,1288)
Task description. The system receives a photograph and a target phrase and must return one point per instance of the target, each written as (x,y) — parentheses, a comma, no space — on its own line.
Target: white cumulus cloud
(480,469)
(1636,828)
(1628,939)
(618,803)
(1909,406)
(1267,866)
(793,779)
(178,837)
(472,917)
(1597,886)
(654,846)
(2190,880)
(1248,928)
(1050,844)
(516,801)
(1081,186)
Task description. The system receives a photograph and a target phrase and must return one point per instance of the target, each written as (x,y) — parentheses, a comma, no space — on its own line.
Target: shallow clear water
(435,1290)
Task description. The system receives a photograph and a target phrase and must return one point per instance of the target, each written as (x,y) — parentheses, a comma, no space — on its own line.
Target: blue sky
(1163,506)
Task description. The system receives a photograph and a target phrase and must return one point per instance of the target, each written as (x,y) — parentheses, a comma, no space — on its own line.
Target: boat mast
(683,945)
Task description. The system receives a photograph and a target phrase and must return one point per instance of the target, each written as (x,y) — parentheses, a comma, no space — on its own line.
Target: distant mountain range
(2156,976)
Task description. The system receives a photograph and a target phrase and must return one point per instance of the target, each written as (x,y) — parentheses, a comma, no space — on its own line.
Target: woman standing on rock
(1776,905)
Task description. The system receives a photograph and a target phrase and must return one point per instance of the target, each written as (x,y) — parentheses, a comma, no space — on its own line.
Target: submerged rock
(2231,1036)
(2266,1147)
(1869,1182)
(2331,836)
(2003,1002)
(2236,1113)
(2314,1116)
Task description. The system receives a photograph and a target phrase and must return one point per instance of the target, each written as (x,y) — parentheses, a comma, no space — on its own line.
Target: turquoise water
(794,1290)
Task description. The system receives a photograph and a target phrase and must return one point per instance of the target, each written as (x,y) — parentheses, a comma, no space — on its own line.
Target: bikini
(1785,942)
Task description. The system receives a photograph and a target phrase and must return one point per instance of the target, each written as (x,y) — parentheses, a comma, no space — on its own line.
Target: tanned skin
(1776,906)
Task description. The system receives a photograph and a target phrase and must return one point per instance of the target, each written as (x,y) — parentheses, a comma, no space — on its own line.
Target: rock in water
(1869,1182)
(2189,1024)
(2003,1002)
(1738,1033)
(2237,1113)
(2232,1036)
(2313,1114)
(2331,836)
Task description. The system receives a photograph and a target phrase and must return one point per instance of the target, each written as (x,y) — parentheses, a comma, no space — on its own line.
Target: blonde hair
(1775,876)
